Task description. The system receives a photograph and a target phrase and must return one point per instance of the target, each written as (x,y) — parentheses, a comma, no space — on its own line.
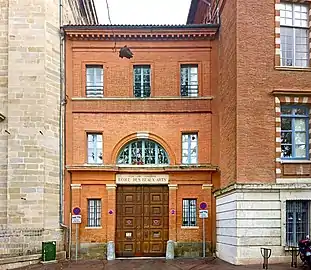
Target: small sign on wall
(76,219)
(203,213)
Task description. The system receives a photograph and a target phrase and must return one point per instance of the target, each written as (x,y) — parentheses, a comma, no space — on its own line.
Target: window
(190,148)
(141,152)
(294,34)
(294,132)
(94,212)
(189,212)
(297,221)
(95,148)
(142,81)
(189,81)
(94,81)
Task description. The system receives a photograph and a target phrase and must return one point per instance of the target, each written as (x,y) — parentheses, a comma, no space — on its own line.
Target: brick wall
(119,116)
(257,78)
(226,95)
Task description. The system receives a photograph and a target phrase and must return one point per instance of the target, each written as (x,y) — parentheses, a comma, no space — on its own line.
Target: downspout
(61,124)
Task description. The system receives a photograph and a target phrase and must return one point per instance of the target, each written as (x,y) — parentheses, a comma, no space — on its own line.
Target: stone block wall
(30,100)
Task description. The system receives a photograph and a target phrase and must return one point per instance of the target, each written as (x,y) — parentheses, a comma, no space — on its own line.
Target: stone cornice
(143,33)
(143,168)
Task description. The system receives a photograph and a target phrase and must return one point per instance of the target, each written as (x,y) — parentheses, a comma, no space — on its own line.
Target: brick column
(111,215)
(209,222)
(75,202)
(173,207)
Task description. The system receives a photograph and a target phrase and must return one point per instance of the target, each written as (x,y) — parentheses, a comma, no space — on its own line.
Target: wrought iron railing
(142,91)
(94,91)
(189,90)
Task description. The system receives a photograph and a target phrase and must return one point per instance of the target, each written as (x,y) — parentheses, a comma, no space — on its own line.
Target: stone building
(263,103)
(138,137)
(30,119)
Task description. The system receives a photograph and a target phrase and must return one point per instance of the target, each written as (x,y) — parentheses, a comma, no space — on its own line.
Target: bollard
(295,254)
(170,250)
(110,251)
(266,253)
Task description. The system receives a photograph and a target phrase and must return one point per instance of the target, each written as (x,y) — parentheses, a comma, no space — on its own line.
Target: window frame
(189,134)
(188,209)
(293,35)
(94,86)
(142,86)
(88,150)
(292,116)
(97,221)
(189,66)
(295,205)
(143,141)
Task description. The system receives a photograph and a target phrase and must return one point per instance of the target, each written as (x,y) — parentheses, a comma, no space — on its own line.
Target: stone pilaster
(111,215)
(173,211)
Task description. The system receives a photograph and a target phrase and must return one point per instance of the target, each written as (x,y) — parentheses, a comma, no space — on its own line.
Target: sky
(143,11)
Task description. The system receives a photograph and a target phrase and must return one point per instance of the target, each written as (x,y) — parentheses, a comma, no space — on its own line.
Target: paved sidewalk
(154,264)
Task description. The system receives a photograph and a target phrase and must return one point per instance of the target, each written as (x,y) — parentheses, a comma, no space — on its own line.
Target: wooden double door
(142,221)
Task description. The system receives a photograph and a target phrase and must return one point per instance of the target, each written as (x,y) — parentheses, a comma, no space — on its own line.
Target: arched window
(141,152)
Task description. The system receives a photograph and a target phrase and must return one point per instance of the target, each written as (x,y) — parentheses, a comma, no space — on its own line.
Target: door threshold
(140,258)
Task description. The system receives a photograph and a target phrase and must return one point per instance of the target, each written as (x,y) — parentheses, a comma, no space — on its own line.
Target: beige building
(31,105)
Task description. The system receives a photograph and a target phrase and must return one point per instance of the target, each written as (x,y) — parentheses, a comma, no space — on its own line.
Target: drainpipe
(61,96)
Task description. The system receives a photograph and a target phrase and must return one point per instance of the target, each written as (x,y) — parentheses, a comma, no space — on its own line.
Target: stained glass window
(142,152)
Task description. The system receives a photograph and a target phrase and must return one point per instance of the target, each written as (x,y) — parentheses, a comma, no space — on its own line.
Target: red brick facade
(120,117)
(236,115)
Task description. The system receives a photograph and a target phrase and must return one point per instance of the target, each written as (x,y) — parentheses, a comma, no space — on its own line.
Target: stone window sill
(190,227)
(307,69)
(93,228)
(295,161)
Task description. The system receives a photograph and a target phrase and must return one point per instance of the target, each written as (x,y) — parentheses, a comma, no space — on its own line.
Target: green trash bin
(49,251)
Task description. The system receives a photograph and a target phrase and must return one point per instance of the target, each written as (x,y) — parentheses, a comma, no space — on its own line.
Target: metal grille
(94,213)
(297,221)
(189,217)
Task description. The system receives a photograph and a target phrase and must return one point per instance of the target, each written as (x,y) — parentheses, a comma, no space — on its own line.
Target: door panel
(142,220)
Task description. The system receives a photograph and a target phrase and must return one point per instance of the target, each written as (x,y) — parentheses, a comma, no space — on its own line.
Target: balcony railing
(189,90)
(94,91)
(142,91)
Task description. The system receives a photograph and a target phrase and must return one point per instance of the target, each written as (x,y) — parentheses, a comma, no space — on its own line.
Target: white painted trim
(88,228)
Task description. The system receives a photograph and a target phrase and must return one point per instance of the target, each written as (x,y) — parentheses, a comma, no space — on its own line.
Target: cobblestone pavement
(155,264)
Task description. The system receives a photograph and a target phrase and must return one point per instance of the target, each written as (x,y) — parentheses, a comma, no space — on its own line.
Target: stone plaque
(142,179)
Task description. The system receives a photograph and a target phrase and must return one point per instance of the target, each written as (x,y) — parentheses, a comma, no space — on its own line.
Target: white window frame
(143,89)
(94,153)
(94,87)
(295,24)
(94,218)
(187,147)
(189,212)
(192,86)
